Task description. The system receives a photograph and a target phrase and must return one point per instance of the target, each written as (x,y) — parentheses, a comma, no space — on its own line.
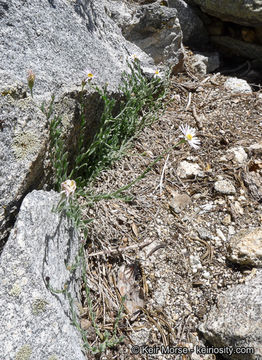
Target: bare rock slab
(245,248)
(236,320)
(58,40)
(35,321)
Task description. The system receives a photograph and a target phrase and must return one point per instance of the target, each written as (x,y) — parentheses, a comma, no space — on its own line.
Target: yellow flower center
(189,137)
(156,72)
(90,75)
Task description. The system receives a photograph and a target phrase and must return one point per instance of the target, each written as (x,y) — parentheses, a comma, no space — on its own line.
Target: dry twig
(189,101)
(162,175)
(121,249)
(197,118)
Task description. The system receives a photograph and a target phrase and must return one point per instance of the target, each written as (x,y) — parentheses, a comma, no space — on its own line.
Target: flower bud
(31,80)
(68,187)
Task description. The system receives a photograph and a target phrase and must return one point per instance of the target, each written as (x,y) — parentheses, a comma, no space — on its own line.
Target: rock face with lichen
(23,141)
(35,321)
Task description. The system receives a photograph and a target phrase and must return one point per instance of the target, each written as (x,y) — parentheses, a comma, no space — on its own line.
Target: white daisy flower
(88,76)
(134,57)
(68,187)
(157,74)
(189,135)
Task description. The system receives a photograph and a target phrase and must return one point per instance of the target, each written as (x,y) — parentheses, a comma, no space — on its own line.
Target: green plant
(58,154)
(140,103)
(49,111)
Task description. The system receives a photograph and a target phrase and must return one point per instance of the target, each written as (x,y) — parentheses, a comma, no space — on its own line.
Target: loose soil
(172,266)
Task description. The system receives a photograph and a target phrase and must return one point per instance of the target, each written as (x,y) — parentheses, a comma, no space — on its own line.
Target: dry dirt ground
(171,265)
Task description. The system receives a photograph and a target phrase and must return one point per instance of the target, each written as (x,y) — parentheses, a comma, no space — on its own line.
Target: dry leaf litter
(167,250)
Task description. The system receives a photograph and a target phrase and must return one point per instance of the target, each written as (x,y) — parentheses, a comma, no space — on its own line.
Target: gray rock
(161,295)
(237,86)
(179,202)
(194,32)
(239,154)
(154,28)
(255,149)
(239,48)
(224,187)
(247,13)
(245,248)
(220,234)
(236,320)
(204,234)
(141,337)
(58,40)
(187,169)
(195,263)
(34,320)
(253,181)
(206,63)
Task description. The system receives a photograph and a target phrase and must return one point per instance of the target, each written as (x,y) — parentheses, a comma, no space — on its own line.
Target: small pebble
(245,248)
(231,230)
(179,202)
(240,156)
(226,220)
(204,234)
(220,234)
(195,263)
(236,86)
(225,187)
(206,274)
(187,170)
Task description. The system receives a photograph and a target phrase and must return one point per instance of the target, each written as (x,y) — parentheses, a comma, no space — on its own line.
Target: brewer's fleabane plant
(123,117)
(190,136)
